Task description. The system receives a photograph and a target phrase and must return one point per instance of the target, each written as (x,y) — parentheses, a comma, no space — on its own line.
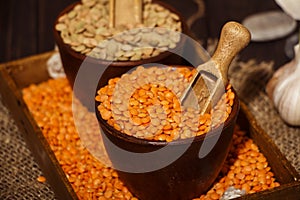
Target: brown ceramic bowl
(73,60)
(186,177)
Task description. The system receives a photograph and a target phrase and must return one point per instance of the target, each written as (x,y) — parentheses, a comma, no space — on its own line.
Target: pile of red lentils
(50,103)
(145,104)
(245,168)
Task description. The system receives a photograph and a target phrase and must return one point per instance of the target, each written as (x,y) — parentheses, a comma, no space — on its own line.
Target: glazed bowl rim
(82,57)
(132,139)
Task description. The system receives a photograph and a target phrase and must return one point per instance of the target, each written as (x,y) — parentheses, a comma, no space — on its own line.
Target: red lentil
(144,112)
(243,150)
(41,179)
(50,103)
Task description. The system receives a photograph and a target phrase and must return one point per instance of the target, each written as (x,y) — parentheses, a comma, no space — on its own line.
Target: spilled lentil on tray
(145,104)
(50,103)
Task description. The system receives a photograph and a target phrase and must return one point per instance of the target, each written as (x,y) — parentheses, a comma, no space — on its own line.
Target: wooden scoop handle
(234,37)
(125,12)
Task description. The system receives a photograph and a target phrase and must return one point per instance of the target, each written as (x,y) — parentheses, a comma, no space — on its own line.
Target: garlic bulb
(284,90)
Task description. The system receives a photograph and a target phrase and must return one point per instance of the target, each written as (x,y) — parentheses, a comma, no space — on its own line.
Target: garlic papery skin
(286,99)
(291,7)
(286,93)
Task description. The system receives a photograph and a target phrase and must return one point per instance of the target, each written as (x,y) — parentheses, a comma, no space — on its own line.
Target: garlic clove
(269,25)
(281,74)
(286,99)
(284,91)
(291,7)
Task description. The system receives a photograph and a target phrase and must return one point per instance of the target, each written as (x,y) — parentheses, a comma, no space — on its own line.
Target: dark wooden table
(26,26)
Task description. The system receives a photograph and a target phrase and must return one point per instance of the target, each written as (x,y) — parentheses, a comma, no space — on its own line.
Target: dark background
(26,25)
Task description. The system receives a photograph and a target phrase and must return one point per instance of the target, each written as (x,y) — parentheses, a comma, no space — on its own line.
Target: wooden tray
(18,74)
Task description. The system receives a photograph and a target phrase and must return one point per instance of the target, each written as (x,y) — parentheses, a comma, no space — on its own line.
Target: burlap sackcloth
(18,169)
(249,80)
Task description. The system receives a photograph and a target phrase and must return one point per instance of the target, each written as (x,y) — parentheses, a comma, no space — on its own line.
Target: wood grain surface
(26,26)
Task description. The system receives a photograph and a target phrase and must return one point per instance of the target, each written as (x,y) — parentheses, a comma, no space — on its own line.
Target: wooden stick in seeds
(124,12)
(210,81)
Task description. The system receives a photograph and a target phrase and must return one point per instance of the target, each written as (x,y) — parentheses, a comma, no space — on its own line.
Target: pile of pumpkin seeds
(86,29)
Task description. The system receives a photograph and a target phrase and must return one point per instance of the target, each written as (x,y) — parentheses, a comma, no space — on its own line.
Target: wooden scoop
(210,81)
(124,12)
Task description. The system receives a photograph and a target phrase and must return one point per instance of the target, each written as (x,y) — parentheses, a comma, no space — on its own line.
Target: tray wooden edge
(37,143)
(284,173)
(37,75)
(267,146)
